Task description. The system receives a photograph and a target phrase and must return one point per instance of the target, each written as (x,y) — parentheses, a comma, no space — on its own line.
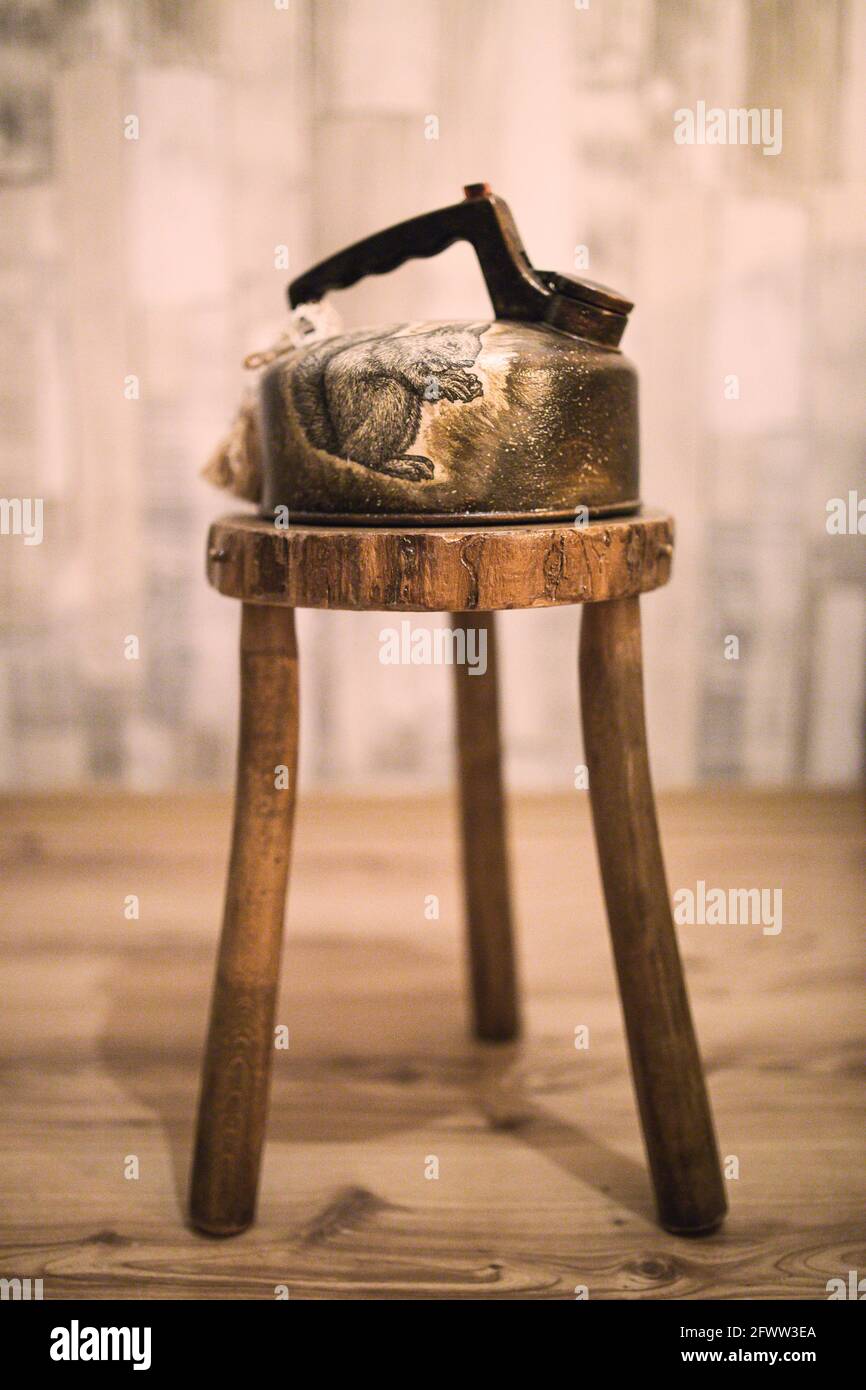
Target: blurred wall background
(304,124)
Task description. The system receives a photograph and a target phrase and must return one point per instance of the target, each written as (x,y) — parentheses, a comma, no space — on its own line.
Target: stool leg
(485,856)
(668,1077)
(240,1045)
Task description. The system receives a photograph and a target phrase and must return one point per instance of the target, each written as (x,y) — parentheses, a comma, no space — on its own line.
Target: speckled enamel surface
(440,420)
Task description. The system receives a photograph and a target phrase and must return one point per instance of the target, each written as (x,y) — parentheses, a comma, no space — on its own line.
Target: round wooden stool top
(439,569)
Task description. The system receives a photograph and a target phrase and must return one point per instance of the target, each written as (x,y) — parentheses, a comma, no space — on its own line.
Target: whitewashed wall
(304,124)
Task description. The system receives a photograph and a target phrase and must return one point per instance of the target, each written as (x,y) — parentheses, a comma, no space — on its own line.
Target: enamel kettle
(528,415)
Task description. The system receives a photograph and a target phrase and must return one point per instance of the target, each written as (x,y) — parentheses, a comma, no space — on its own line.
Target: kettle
(530,415)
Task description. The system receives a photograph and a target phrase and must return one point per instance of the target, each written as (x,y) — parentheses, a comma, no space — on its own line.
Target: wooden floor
(542,1186)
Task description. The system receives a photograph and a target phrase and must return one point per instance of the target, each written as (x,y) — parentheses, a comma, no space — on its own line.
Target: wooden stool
(470,573)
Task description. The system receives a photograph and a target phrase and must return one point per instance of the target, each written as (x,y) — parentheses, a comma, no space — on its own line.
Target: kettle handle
(516,290)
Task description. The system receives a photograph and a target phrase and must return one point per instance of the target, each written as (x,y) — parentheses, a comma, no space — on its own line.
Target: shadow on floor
(379,1045)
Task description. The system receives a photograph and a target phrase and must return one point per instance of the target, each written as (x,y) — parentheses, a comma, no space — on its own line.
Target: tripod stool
(469,572)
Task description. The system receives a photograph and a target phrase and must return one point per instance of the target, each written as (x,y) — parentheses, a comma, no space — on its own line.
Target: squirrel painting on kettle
(359,396)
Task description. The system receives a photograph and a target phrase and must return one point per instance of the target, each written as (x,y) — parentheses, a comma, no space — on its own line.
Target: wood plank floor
(542,1186)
